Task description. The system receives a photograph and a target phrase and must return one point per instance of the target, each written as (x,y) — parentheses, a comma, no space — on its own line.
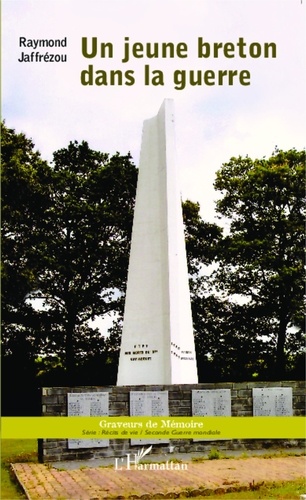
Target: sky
(47,101)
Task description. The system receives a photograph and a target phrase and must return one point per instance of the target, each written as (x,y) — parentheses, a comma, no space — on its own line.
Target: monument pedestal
(181,400)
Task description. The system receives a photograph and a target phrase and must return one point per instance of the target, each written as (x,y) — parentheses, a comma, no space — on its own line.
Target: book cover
(78,81)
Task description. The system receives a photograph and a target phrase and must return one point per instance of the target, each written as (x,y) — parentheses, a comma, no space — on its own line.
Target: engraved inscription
(180,354)
(147,404)
(87,404)
(272,401)
(211,403)
(141,352)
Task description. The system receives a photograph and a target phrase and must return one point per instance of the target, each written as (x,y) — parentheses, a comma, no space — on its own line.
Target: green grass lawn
(15,450)
(289,490)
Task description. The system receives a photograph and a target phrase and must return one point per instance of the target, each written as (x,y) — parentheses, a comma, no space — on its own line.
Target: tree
(66,236)
(201,238)
(88,228)
(25,194)
(261,258)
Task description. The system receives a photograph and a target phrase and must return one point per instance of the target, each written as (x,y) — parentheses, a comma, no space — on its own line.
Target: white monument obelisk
(157,340)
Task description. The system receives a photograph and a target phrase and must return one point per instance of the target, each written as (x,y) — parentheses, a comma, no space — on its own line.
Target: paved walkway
(43,482)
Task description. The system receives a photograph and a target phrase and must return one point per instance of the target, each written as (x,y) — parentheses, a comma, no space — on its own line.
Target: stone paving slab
(42,482)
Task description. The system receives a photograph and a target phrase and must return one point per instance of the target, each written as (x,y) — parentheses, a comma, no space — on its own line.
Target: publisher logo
(132,462)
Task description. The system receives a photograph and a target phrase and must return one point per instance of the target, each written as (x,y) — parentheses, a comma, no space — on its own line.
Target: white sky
(49,104)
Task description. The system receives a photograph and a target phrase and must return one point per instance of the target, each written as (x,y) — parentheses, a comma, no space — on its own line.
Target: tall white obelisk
(157,340)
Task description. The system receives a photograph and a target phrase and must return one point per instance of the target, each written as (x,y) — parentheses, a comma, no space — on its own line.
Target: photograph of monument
(153,208)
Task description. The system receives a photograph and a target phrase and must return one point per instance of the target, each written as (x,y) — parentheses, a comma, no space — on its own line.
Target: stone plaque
(149,404)
(272,402)
(87,404)
(211,403)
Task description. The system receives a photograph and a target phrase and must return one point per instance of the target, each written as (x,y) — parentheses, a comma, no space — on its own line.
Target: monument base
(180,403)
